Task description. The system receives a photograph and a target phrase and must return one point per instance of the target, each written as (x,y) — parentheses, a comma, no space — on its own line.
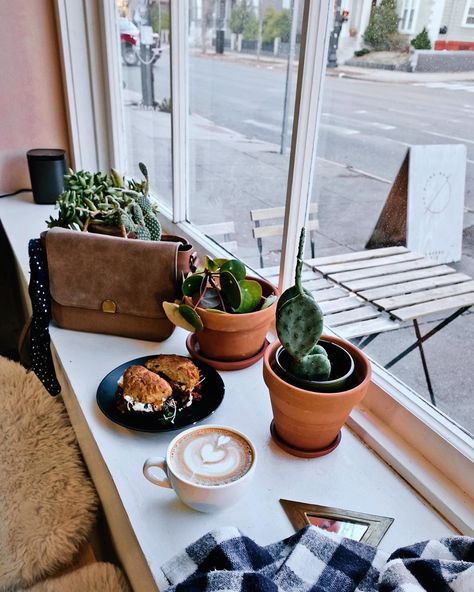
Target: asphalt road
(365,125)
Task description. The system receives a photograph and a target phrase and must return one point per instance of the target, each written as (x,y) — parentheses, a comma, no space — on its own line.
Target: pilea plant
(221,287)
(299,324)
(95,199)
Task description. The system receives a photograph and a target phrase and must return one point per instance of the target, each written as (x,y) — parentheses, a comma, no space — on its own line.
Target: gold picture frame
(366,528)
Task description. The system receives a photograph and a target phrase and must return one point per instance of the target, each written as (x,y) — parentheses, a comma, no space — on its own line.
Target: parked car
(130,43)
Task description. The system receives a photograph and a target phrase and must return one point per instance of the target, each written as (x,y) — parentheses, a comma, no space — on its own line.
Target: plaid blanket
(312,560)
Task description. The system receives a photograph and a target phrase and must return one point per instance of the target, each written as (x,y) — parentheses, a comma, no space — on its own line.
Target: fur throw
(97,577)
(47,502)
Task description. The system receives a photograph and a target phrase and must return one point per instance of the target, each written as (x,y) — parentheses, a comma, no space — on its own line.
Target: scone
(143,390)
(181,372)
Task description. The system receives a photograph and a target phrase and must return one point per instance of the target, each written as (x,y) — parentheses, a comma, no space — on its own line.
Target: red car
(130,43)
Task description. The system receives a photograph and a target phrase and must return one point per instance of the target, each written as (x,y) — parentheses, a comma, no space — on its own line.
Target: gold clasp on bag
(109,306)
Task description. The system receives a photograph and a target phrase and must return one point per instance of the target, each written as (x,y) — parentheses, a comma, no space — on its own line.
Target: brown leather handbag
(106,284)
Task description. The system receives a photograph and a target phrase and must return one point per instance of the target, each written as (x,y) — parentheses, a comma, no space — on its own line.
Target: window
(407,16)
(146,95)
(468,20)
(224,146)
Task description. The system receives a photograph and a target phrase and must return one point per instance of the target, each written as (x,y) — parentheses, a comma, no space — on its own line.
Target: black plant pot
(342,370)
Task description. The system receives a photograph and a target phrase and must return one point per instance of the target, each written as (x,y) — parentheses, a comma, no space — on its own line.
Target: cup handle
(161,464)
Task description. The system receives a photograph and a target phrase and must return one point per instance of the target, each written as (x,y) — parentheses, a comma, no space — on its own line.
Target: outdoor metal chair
(275,227)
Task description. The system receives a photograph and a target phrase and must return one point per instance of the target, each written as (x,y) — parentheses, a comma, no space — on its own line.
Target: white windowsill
(423,445)
(353,477)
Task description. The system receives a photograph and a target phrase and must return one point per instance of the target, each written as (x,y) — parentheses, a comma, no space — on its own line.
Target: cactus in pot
(299,324)
(314,381)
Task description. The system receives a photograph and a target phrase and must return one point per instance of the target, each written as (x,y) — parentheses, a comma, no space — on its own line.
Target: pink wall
(32,108)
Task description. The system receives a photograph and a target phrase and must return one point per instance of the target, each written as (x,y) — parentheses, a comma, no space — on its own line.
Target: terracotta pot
(233,337)
(309,420)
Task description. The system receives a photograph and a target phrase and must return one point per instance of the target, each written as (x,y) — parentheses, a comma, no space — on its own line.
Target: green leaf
(192,284)
(220,262)
(143,169)
(211,265)
(191,316)
(231,289)
(236,268)
(251,296)
(173,313)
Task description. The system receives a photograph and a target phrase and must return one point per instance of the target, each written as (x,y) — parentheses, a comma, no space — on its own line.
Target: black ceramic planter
(342,369)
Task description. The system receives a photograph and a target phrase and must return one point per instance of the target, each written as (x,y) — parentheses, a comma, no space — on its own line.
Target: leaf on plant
(231,289)
(143,169)
(268,301)
(251,296)
(191,317)
(172,312)
(211,264)
(220,262)
(236,268)
(192,284)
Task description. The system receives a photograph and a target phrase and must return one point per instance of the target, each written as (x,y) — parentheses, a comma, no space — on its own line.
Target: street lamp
(146,55)
(339,18)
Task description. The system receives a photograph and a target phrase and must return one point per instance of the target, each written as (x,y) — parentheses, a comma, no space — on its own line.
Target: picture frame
(358,526)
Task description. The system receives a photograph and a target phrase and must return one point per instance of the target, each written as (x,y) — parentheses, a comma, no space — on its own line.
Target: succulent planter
(342,369)
(308,422)
(234,337)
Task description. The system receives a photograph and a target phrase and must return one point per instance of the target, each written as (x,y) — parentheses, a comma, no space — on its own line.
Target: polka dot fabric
(42,361)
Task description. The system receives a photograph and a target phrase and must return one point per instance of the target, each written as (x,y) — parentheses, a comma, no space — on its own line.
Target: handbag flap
(87,269)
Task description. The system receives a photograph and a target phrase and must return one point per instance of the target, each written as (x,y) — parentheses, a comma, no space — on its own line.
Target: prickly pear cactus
(299,324)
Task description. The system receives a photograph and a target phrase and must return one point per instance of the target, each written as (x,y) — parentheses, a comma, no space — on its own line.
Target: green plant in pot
(314,381)
(108,204)
(227,312)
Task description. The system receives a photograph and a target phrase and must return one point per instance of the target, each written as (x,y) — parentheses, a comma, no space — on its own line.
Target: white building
(450,23)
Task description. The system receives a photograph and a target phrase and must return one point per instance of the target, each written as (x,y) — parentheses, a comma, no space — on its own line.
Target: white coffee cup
(209,467)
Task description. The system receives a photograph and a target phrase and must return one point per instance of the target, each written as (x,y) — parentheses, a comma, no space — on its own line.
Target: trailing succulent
(108,200)
(221,287)
(299,324)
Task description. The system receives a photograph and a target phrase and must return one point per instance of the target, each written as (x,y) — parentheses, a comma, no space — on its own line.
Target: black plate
(212,391)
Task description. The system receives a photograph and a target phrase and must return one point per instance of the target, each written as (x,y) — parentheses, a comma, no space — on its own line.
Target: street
(236,110)
(365,125)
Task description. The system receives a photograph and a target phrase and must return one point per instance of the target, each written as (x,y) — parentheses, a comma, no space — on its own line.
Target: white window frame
(426,448)
(409,6)
(469,4)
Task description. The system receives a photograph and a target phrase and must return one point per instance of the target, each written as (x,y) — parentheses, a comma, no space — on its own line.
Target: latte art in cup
(211,456)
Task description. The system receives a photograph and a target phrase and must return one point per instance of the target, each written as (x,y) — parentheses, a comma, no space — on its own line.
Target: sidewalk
(393,76)
(366,74)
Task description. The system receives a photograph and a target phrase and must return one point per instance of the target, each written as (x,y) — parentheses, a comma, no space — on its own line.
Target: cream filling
(138,406)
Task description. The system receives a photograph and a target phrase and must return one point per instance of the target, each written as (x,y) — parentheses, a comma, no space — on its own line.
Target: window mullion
(311,70)
(180,108)
(113,81)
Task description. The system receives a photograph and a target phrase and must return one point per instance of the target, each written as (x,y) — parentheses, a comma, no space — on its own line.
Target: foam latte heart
(211,456)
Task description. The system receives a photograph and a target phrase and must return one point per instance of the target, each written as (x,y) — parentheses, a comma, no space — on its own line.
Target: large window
(468,20)
(408,13)
(145,69)
(261,137)
(237,68)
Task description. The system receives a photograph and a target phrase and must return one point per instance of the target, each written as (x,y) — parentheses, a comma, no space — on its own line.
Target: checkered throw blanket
(314,561)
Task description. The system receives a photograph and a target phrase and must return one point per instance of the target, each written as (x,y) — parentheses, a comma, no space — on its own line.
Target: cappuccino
(211,456)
